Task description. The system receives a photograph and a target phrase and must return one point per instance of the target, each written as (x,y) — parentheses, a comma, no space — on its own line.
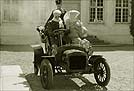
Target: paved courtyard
(120,59)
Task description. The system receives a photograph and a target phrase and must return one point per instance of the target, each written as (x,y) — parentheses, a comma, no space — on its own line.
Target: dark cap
(58,1)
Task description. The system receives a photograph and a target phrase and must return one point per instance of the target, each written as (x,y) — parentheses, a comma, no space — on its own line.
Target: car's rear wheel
(46,74)
(101,72)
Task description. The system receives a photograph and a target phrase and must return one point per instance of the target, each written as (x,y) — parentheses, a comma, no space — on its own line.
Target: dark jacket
(51,26)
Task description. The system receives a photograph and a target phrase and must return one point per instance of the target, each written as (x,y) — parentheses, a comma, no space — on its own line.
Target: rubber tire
(47,82)
(107,68)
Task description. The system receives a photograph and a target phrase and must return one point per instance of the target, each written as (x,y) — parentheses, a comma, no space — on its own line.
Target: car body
(70,58)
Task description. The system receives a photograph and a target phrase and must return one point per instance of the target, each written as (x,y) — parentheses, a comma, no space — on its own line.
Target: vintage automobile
(70,59)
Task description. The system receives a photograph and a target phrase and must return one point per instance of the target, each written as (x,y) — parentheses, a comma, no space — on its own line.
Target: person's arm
(67,27)
(67,24)
(62,16)
(50,18)
(82,31)
(49,28)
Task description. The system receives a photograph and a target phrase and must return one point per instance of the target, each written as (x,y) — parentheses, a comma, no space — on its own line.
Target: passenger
(77,31)
(55,23)
(59,7)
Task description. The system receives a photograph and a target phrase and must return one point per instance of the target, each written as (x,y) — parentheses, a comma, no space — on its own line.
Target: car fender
(93,58)
(38,53)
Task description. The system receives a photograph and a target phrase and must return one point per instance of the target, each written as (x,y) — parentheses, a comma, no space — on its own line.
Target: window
(96,11)
(122,11)
(10,11)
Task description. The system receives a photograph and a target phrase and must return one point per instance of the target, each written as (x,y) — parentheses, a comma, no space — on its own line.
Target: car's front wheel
(102,72)
(46,74)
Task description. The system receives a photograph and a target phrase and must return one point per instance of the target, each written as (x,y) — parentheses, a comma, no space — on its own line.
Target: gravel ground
(122,69)
(121,62)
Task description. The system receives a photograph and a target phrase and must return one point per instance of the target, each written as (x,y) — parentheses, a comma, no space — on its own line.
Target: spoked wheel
(36,69)
(101,72)
(46,74)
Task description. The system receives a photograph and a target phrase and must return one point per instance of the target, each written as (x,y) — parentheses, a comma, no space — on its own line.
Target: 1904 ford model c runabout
(70,58)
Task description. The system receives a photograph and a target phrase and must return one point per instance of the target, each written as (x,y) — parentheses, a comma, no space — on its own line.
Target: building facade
(109,20)
(19,19)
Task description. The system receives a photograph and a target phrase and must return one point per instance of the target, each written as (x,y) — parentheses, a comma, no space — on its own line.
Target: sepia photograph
(66,45)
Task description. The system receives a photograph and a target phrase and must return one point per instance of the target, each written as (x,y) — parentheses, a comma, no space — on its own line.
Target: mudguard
(38,52)
(93,58)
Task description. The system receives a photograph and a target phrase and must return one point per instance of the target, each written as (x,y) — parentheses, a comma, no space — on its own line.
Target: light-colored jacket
(77,30)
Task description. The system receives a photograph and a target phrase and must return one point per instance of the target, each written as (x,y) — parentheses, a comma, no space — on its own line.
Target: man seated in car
(55,23)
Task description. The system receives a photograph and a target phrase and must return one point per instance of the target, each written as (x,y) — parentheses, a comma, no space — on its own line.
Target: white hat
(56,12)
(71,15)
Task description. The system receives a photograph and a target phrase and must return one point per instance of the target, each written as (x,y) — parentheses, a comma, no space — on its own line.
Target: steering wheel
(59,31)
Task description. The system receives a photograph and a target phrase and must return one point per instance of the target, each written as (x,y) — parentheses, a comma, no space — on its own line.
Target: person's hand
(86,44)
(42,35)
(41,28)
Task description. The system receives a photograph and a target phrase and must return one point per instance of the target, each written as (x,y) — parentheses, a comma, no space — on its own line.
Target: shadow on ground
(28,48)
(61,83)
(24,83)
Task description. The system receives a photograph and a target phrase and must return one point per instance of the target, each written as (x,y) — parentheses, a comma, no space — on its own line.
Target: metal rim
(101,72)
